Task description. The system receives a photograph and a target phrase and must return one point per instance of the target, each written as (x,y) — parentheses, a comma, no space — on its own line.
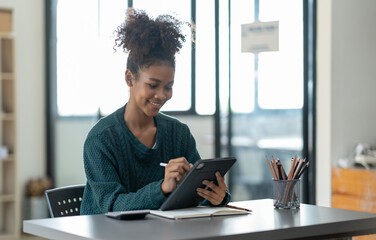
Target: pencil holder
(286,193)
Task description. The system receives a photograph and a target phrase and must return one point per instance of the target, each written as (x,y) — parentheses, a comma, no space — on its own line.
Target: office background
(346,109)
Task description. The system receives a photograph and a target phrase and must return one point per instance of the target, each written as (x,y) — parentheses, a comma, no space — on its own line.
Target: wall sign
(260,37)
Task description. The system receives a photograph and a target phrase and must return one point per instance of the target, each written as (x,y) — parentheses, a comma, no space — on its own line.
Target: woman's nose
(160,95)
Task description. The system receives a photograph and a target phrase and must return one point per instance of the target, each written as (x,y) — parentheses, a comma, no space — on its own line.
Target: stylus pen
(162,164)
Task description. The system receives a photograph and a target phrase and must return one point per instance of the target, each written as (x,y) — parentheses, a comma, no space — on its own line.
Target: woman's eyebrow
(159,81)
(155,80)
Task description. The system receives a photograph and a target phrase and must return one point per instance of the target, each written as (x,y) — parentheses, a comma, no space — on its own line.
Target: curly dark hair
(149,41)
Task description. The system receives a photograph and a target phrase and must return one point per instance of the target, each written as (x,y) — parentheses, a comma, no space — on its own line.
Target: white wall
(28,27)
(346,83)
(323,117)
(354,75)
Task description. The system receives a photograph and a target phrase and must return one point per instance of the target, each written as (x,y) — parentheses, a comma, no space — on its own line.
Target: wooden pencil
(275,167)
(270,167)
(303,169)
(297,170)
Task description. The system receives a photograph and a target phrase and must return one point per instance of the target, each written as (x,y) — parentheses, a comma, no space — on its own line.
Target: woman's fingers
(216,193)
(221,181)
(207,196)
(175,170)
(179,165)
(210,196)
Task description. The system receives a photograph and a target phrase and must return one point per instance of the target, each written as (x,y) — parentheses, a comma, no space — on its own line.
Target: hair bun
(143,36)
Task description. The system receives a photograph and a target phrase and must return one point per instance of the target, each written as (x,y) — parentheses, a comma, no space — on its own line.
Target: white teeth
(155,104)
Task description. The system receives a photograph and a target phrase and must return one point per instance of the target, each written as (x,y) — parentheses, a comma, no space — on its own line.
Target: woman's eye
(152,86)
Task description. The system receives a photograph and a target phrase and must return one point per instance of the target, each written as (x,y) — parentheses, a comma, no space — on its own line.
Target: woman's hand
(216,193)
(175,170)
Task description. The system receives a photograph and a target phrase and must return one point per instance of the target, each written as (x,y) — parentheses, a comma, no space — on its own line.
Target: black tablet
(185,194)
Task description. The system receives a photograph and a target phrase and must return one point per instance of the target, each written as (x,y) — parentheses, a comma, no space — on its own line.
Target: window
(205,57)
(266,96)
(279,81)
(242,64)
(280,73)
(90,73)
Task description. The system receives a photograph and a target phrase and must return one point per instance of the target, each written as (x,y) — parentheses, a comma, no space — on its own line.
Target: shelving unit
(9,194)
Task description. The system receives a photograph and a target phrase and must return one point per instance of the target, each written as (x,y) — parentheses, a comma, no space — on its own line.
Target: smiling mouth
(155,104)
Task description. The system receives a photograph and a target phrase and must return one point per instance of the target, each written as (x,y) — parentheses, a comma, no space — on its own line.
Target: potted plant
(36,201)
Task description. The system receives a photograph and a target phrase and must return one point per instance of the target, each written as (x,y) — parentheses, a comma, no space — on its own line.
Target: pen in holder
(286,188)
(286,193)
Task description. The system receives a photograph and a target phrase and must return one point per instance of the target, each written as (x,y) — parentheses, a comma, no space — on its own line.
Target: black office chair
(65,201)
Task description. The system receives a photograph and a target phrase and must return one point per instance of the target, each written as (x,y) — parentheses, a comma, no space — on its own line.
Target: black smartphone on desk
(128,215)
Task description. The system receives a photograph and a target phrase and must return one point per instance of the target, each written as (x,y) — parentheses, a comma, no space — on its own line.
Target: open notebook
(197,212)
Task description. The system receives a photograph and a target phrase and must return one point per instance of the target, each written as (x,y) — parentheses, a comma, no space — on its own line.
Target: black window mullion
(217,117)
(309,106)
(193,61)
(51,89)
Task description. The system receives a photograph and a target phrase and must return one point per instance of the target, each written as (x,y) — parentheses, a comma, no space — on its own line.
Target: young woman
(122,152)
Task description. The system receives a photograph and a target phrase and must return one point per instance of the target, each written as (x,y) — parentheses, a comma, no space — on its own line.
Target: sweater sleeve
(105,187)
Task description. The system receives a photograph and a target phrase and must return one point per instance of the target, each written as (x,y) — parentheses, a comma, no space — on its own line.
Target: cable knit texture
(124,174)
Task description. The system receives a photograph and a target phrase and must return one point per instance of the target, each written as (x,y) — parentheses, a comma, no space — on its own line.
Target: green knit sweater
(124,174)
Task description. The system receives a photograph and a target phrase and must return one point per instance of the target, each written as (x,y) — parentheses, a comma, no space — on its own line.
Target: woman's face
(152,89)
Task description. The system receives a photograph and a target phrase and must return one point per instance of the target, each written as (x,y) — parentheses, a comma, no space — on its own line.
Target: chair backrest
(65,201)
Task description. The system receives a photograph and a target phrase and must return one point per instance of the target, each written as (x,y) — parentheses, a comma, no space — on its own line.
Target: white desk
(265,222)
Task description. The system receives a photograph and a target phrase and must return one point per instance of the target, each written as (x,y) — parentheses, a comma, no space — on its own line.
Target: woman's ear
(129,77)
